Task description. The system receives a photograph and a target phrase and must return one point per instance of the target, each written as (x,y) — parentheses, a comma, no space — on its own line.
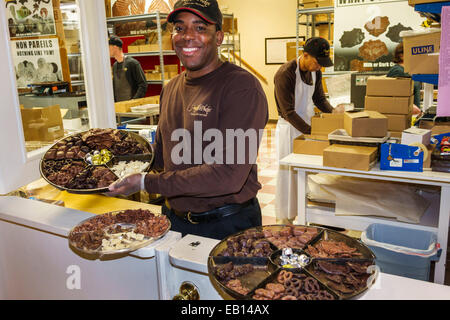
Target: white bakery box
(37,263)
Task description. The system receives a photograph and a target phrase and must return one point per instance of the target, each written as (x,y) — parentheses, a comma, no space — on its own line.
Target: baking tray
(98,253)
(149,157)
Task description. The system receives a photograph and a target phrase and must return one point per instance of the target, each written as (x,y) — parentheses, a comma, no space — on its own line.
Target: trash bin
(402,251)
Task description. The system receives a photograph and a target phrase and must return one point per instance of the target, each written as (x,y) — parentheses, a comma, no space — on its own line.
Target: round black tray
(267,269)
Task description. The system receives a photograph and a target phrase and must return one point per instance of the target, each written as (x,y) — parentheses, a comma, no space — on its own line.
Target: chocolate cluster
(332,249)
(291,236)
(229,271)
(81,175)
(247,244)
(69,148)
(346,278)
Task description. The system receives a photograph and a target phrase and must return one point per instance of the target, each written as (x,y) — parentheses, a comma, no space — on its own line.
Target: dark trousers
(247,217)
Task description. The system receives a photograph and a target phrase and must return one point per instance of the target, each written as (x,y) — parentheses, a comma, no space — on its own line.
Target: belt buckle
(188,217)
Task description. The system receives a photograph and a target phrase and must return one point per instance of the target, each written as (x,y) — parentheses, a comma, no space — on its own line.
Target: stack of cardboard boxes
(151,44)
(170,71)
(308,4)
(392,97)
(353,155)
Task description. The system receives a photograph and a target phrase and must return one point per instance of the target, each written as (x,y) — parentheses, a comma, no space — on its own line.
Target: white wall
(257,20)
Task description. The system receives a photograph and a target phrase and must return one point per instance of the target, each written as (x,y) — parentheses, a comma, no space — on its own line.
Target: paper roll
(426,153)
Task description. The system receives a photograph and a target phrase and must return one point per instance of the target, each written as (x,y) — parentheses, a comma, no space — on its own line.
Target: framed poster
(276,49)
(30,18)
(36,61)
(367,32)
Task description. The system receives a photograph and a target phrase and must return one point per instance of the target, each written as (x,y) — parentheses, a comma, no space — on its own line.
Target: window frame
(18,167)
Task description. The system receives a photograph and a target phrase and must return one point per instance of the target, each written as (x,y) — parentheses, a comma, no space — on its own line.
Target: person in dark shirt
(211,121)
(398,70)
(128,77)
(298,88)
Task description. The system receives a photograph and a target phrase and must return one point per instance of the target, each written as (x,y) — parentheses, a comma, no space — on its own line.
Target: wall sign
(367,32)
(30,18)
(36,61)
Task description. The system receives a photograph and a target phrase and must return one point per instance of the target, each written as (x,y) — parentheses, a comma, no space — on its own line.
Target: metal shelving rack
(311,22)
(161,53)
(231,42)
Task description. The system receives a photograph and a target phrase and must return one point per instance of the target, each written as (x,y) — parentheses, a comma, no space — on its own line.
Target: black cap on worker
(115,41)
(208,10)
(319,48)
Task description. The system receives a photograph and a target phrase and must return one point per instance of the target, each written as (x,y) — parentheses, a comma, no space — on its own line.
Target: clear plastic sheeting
(362,197)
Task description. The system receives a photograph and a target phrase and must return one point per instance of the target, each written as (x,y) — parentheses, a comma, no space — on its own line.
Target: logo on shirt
(201,110)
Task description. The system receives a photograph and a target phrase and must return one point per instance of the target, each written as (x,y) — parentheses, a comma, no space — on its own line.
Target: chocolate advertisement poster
(367,32)
(30,18)
(36,61)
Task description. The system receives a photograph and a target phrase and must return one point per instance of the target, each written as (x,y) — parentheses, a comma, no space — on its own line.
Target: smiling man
(201,106)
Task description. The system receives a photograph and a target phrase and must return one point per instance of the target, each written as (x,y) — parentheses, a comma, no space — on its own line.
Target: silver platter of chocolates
(88,162)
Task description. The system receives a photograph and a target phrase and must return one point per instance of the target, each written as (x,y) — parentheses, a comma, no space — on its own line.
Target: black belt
(211,215)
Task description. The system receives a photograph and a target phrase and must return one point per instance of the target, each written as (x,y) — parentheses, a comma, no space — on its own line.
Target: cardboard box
(308,4)
(389,87)
(42,124)
(365,124)
(325,123)
(398,122)
(400,157)
(435,127)
(416,135)
(125,106)
(391,105)
(350,157)
(414,2)
(395,134)
(133,49)
(311,147)
(324,32)
(290,50)
(417,50)
(227,25)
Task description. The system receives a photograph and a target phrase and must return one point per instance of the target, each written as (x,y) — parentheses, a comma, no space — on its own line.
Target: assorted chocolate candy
(82,161)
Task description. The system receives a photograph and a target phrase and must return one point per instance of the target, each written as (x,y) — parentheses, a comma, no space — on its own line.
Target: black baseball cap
(115,41)
(208,10)
(319,48)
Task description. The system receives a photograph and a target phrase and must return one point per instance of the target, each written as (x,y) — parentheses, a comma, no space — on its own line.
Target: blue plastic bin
(402,251)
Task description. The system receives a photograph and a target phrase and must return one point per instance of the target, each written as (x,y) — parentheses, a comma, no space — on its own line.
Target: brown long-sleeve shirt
(284,81)
(227,98)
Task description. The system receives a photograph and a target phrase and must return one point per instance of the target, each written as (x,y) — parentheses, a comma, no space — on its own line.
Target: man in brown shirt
(298,88)
(211,121)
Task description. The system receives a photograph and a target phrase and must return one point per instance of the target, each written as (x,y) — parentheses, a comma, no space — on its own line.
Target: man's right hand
(340,108)
(126,186)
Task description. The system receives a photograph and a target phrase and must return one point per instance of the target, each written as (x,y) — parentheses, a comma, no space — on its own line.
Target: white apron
(286,189)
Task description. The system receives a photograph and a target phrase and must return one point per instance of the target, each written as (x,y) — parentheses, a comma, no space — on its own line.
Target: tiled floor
(267,172)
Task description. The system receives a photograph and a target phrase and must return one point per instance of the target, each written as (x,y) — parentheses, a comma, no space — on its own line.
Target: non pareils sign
(30,18)
(36,61)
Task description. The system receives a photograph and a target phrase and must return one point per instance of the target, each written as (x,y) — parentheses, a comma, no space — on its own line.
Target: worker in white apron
(296,99)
